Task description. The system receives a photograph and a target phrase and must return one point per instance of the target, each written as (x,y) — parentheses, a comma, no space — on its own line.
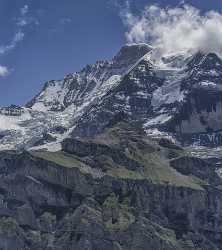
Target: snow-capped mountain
(50,116)
(93,81)
(177,95)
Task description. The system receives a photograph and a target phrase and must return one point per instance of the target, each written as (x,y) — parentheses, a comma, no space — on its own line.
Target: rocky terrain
(125,154)
(118,190)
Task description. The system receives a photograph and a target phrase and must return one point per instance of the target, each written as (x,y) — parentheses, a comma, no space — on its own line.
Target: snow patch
(169,93)
(208,84)
(13,122)
(160,119)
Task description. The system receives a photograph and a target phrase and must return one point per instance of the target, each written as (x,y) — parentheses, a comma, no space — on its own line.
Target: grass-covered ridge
(122,152)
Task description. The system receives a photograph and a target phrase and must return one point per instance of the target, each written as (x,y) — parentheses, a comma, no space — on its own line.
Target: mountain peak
(206,61)
(130,52)
(212,60)
(137,84)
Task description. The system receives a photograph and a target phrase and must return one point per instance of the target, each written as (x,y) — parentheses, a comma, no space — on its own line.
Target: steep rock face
(183,101)
(62,103)
(131,98)
(74,200)
(198,117)
(81,87)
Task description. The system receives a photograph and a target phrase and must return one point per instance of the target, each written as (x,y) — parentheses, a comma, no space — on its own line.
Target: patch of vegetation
(48,218)
(156,167)
(8,226)
(151,160)
(111,202)
(68,161)
(124,173)
(60,158)
(117,216)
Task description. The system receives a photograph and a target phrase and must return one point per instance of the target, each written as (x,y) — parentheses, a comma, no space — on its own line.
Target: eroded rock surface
(117,191)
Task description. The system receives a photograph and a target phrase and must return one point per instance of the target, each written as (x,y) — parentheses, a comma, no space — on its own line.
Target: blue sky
(47,39)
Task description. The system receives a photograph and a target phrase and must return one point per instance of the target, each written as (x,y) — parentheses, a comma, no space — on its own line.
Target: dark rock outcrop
(87,197)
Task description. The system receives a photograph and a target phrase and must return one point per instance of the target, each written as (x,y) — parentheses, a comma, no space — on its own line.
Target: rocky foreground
(119,190)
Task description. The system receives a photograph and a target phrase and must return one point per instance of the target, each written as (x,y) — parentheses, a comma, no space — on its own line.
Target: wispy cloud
(21,22)
(174,29)
(3,71)
(24,10)
(25,19)
(65,20)
(18,37)
(60,25)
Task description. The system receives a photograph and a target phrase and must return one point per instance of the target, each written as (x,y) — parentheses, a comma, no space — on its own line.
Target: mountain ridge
(157,92)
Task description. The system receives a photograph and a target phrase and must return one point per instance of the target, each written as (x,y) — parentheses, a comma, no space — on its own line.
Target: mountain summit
(177,96)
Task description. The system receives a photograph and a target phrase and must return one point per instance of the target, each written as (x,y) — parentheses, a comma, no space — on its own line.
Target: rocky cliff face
(200,113)
(57,108)
(90,83)
(119,190)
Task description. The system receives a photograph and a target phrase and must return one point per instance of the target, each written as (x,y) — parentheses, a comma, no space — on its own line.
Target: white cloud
(175,29)
(18,37)
(25,19)
(3,71)
(21,22)
(24,10)
(65,20)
